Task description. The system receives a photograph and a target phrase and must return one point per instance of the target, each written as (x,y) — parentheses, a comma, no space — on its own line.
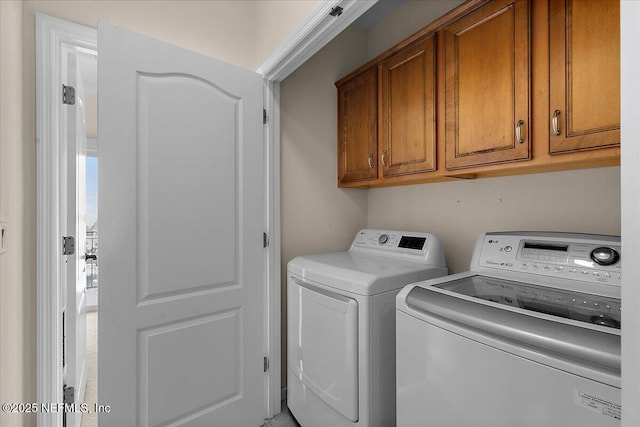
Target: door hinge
(266,364)
(264,116)
(265,240)
(68,394)
(68,95)
(336,11)
(68,245)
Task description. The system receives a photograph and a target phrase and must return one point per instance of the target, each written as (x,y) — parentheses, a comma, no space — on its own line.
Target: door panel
(584,88)
(407,120)
(487,85)
(357,134)
(182,205)
(172,168)
(216,338)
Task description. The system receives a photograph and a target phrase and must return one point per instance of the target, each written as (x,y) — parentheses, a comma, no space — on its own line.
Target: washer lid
(362,274)
(588,308)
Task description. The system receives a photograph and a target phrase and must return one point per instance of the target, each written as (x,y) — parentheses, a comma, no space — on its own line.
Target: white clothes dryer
(341,326)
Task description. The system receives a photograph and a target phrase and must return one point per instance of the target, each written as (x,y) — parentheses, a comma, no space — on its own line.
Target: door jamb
(314,33)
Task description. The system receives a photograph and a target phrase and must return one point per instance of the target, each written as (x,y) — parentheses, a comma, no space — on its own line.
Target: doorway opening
(88,67)
(79,222)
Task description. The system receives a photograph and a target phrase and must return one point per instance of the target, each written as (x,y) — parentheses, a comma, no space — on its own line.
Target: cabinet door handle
(519,131)
(554,122)
(384,158)
(370,162)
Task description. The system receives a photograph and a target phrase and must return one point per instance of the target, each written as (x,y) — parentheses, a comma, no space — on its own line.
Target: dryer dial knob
(384,238)
(605,256)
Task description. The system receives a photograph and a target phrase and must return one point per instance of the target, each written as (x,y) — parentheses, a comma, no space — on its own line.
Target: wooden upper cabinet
(357,133)
(487,117)
(584,59)
(457,98)
(406,119)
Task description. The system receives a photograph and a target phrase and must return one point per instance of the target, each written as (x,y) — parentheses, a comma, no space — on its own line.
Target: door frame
(51,33)
(630,190)
(318,29)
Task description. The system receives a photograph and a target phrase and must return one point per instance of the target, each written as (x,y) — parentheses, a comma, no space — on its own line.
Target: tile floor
(91,296)
(283,419)
(90,419)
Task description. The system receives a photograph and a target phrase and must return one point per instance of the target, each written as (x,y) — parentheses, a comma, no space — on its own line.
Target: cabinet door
(357,147)
(407,123)
(487,86)
(584,58)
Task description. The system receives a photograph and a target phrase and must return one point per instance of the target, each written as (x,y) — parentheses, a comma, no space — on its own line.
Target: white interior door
(74,370)
(181,219)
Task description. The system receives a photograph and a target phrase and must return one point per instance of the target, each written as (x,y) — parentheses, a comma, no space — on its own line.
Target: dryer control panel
(585,257)
(417,246)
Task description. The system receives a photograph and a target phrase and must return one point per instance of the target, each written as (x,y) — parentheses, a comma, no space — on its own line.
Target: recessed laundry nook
(385,80)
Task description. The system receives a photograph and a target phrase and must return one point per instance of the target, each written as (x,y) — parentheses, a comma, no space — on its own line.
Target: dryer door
(323,344)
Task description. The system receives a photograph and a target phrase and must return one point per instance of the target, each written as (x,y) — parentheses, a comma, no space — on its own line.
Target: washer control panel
(584,257)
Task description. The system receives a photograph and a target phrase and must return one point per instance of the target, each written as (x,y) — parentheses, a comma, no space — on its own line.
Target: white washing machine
(529,337)
(341,326)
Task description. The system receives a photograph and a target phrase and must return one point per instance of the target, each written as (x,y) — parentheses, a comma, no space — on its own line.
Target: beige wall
(458,211)
(240,32)
(316,215)
(410,17)
(274,18)
(586,201)
(243,33)
(17,296)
